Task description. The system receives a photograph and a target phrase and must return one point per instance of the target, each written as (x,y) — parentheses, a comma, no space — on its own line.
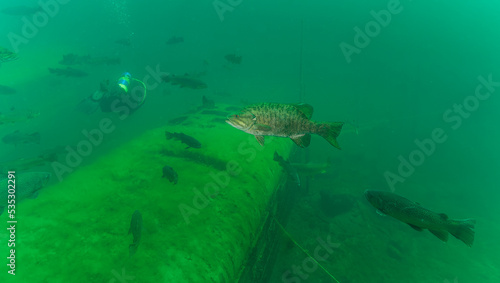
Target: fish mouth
(234,121)
(229,119)
(237,122)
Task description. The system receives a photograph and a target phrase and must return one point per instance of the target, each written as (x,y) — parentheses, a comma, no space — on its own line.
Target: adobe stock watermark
(363,38)
(220,180)
(221,7)
(310,264)
(121,278)
(453,116)
(124,106)
(33,24)
(449,281)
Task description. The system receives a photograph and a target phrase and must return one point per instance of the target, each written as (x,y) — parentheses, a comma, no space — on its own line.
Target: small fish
(185,81)
(7,55)
(420,218)
(27,186)
(175,40)
(233,59)
(136,230)
(284,120)
(6,90)
(68,72)
(18,137)
(170,174)
(290,170)
(185,139)
(16,116)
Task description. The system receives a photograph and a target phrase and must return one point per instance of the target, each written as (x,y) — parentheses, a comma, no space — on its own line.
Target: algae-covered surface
(396,72)
(198,230)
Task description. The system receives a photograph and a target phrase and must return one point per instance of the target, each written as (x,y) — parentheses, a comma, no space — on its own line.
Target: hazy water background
(397,89)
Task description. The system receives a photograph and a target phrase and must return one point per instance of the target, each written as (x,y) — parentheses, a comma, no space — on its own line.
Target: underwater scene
(240,141)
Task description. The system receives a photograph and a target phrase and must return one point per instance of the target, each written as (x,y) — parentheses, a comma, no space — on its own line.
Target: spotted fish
(284,120)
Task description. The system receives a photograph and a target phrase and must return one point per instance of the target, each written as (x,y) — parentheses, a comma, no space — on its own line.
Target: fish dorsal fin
(302,141)
(415,227)
(441,234)
(443,216)
(306,109)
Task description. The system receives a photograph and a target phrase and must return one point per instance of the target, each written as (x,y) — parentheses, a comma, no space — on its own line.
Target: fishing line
(290,237)
(301,84)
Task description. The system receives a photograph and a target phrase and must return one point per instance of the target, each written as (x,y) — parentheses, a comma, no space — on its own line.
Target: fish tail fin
(463,229)
(330,132)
